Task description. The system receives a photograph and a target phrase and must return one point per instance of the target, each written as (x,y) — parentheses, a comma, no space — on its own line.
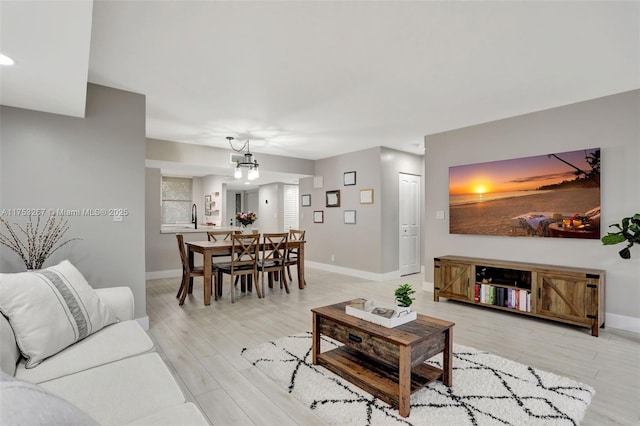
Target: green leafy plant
(628,230)
(403,295)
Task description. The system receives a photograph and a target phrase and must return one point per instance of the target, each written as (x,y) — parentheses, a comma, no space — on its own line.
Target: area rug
(487,390)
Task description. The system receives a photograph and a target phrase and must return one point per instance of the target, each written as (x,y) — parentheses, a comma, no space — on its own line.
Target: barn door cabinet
(559,293)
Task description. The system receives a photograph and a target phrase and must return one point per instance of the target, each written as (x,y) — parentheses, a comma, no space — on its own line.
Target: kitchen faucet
(194,216)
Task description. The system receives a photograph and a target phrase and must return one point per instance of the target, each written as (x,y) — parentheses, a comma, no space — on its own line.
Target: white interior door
(410,233)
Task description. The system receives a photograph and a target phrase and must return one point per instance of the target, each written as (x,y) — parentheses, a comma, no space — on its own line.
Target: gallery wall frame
(333,198)
(350,217)
(318,216)
(349,178)
(305,200)
(318,182)
(366,196)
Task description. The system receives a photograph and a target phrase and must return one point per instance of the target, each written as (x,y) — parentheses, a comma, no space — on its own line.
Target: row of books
(513,298)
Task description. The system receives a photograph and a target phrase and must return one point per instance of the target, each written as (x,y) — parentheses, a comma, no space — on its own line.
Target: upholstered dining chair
(186,285)
(273,257)
(244,261)
(292,253)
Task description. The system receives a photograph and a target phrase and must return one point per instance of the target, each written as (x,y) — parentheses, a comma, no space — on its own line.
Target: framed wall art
(318,216)
(366,196)
(333,198)
(552,195)
(349,178)
(350,217)
(306,200)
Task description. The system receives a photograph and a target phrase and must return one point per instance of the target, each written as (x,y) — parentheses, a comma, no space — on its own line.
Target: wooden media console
(559,293)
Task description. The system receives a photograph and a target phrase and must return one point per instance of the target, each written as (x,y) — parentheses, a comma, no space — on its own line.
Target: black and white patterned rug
(487,390)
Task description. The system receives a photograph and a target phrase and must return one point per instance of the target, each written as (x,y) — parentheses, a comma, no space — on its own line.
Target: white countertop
(187,229)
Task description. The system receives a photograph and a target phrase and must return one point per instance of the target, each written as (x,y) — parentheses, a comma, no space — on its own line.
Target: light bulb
(238,173)
(5,60)
(253,174)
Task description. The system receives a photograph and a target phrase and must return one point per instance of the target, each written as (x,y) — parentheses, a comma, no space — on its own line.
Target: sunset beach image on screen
(551,195)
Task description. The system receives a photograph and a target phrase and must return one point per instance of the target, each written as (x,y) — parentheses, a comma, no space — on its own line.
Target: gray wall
(54,161)
(372,244)
(611,123)
(270,208)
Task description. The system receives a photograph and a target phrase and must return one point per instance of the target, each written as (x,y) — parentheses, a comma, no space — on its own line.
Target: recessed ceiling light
(5,60)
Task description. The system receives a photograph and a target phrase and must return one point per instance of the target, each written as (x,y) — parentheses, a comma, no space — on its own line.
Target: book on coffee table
(383,312)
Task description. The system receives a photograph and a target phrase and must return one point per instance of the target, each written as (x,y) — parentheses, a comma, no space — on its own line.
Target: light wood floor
(202,346)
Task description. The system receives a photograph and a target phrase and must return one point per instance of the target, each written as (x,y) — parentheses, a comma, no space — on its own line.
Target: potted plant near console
(403,298)
(629,231)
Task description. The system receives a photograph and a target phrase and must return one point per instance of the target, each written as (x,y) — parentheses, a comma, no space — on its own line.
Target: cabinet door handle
(538,292)
(355,338)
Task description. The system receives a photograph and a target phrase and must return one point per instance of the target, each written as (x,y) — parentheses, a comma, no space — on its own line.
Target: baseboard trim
(170,273)
(622,322)
(372,276)
(173,273)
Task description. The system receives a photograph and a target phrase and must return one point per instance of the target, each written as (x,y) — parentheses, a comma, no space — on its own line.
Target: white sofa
(112,376)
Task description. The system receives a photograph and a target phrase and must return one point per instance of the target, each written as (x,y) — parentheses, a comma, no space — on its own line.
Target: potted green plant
(403,297)
(628,230)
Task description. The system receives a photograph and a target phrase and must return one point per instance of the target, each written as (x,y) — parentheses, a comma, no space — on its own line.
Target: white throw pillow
(51,309)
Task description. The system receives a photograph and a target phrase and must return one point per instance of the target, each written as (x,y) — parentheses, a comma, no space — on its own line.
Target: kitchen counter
(188,229)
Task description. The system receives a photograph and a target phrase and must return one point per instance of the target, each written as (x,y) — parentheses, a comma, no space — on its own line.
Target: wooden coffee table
(386,362)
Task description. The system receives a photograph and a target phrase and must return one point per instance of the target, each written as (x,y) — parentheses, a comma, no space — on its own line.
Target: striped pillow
(50,310)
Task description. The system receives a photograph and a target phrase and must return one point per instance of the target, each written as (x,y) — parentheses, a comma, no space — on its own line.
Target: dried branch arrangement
(34,246)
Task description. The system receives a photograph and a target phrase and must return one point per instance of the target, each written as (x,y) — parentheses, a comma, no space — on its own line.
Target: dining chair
(244,261)
(272,260)
(222,235)
(292,253)
(186,285)
(219,235)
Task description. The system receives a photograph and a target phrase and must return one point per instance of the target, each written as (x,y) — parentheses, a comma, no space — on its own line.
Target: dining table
(210,248)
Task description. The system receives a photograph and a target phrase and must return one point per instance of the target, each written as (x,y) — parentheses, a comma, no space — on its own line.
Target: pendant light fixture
(247,161)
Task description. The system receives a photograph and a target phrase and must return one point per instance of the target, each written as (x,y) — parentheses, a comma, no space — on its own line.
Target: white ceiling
(318,79)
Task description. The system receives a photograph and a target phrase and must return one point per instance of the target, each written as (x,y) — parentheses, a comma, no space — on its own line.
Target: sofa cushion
(121,392)
(112,343)
(9,353)
(24,403)
(51,309)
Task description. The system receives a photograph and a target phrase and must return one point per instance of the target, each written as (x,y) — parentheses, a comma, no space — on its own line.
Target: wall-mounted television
(553,195)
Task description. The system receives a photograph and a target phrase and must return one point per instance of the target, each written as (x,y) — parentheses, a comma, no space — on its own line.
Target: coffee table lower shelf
(379,379)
